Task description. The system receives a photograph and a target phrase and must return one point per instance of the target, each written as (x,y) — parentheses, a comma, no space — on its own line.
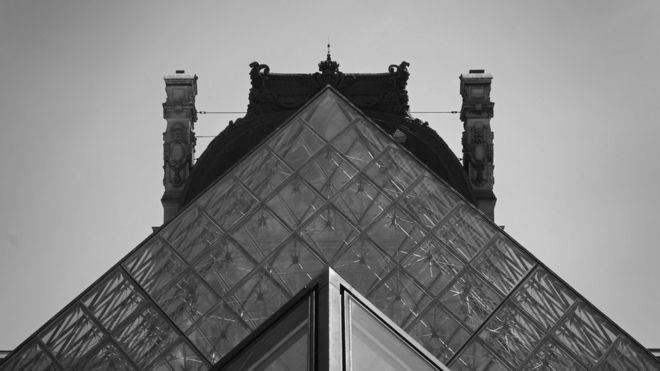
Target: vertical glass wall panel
(371,345)
(282,346)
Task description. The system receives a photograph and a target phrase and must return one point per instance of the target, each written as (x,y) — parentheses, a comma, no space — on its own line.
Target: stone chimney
(476,112)
(178,139)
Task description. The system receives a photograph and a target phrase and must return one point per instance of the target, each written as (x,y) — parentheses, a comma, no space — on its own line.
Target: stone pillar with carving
(476,112)
(178,139)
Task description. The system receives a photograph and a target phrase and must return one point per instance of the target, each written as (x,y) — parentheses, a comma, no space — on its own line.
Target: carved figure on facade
(177,156)
(478,151)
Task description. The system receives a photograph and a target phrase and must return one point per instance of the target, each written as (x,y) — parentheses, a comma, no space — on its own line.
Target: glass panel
(228,203)
(30,357)
(327,115)
(258,298)
(295,144)
(295,265)
(107,358)
(263,172)
(354,146)
(145,337)
(627,356)
(511,335)
(429,201)
(282,346)
(224,264)
(361,201)
(394,171)
(154,266)
(396,233)
(328,232)
(433,265)
(363,266)
(190,233)
(476,357)
(295,202)
(439,332)
(260,234)
(399,298)
(328,172)
(218,332)
(544,298)
(373,346)
(71,337)
(503,264)
(470,299)
(181,358)
(113,300)
(186,300)
(586,334)
(465,232)
(552,357)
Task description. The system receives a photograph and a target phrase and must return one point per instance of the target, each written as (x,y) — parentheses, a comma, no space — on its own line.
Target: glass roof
(329,188)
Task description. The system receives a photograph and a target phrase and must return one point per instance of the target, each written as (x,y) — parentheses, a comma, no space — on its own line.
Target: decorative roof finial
(328,66)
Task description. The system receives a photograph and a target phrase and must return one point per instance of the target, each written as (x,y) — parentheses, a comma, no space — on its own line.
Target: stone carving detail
(478,153)
(177,154)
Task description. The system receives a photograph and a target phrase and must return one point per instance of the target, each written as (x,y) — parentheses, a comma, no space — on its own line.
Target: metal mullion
(159,310)
(49,354)
(487,319)
(552,330)
(108,335)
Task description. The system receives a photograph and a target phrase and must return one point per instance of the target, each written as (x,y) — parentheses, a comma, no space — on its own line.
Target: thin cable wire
(241,112)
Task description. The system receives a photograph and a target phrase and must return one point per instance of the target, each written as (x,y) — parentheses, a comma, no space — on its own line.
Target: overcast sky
(576,87)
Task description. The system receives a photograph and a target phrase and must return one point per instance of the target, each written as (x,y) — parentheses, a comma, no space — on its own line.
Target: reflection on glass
(373,346)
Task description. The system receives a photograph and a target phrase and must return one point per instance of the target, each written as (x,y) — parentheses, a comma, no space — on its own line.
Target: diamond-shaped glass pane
(361,201)
(228,203)
(476,357)
(327,115)
(394,171)
(439,332)
(586,334)
(259,297)
(154,266)
(328,232)
(145,337)
(399,297)
(113,300)
(544,298)
(511,335)
(186,300)
(107,358)
(627,356)
(356,147)
(396,233)
(465,232)
(224,264)
(470,299)
(295,202)
(328,172)
(263,172)
(296,144)
(30,357)
(180,358)
(551,357)
(218,332)
(71,337)
(433,265)
(363,266)
(190,233)
(429,201)
(503,264)
(261,233)
(295,265)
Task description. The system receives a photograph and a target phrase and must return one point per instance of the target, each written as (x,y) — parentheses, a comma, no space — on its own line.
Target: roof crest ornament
(328,66)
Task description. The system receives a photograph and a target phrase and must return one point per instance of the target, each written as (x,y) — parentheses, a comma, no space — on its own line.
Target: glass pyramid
(329,188)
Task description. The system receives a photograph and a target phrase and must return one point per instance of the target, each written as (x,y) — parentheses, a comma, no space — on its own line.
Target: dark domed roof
(276,97)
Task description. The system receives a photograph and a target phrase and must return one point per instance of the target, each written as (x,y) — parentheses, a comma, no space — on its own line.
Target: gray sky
(576,90)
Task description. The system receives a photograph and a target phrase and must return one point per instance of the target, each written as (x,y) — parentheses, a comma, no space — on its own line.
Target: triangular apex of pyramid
(329,188)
